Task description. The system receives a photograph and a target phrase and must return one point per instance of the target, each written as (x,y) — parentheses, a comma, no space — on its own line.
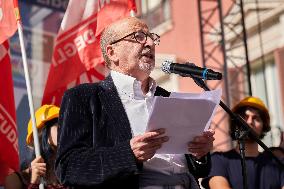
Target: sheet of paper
(184,116)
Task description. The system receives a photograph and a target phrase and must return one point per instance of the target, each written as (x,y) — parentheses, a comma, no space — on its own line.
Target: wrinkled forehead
(129,25)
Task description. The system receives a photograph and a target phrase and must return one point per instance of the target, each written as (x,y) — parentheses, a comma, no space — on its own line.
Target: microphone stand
(241,133)
(240,136)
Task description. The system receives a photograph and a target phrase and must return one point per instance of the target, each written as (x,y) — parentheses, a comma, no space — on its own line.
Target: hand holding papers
(184,116)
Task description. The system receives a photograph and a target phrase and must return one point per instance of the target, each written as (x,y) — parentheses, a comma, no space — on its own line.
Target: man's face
(253,119)
(134,58)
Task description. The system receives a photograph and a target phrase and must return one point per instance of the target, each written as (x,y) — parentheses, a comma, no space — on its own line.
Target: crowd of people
(95,141)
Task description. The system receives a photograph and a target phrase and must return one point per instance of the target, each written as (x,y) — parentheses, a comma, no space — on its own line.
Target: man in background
(262,171)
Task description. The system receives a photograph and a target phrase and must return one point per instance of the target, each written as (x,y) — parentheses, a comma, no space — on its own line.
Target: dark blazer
(93,140)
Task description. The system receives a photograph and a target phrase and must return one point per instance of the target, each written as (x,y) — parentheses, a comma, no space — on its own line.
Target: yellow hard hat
(42,115)
(256,103)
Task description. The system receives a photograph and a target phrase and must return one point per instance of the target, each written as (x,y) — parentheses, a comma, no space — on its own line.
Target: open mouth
(148,55)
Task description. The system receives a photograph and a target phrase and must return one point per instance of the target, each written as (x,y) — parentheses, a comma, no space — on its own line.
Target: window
(270,97)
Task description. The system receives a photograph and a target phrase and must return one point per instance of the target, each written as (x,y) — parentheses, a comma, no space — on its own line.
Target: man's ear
(111,53)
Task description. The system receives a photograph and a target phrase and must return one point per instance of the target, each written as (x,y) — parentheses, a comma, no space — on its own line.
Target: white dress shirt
(138,106)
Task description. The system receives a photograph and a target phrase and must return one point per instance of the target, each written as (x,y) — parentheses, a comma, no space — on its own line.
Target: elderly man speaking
(99,141)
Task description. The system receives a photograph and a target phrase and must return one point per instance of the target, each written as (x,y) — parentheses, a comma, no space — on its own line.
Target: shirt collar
(130,87)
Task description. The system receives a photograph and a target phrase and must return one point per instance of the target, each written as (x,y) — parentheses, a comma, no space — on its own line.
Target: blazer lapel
(114,107)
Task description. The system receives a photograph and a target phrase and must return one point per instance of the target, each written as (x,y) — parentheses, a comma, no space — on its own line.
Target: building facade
(178,23)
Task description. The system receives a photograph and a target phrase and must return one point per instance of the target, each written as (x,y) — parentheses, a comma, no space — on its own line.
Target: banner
(9,153)
(8,20)
(77,56)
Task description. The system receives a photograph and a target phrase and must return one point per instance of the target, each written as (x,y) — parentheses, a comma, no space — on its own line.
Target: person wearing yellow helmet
(262,171)
(256,105)
(45,115)
(47,123)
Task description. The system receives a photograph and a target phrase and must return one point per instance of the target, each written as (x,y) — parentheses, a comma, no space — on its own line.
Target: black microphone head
(190,70)
(166,66)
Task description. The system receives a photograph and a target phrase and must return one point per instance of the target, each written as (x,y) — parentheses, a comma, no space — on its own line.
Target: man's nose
(249,120)
(150,41)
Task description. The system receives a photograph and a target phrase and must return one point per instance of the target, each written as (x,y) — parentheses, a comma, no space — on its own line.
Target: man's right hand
(145,146)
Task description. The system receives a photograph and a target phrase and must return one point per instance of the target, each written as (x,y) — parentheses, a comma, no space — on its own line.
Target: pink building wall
(183,40)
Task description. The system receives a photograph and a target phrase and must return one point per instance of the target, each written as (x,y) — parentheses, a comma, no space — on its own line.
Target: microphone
(190,69)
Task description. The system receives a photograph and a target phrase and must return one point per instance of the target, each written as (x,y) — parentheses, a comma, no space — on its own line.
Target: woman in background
(42,166)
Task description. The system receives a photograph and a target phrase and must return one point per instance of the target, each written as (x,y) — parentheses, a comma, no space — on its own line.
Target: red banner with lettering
(77,56)
(9,156)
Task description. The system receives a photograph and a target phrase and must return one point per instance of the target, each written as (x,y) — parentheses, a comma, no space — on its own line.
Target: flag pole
(132,13)
(132,8)
(28,83)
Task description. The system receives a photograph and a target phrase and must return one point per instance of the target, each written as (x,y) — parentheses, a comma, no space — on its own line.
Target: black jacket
(93,140)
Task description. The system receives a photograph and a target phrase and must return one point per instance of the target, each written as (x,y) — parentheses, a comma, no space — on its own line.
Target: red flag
(77,56)
(8,19)
(9,156)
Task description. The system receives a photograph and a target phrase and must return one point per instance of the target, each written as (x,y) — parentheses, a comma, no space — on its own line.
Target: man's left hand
(202,144)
